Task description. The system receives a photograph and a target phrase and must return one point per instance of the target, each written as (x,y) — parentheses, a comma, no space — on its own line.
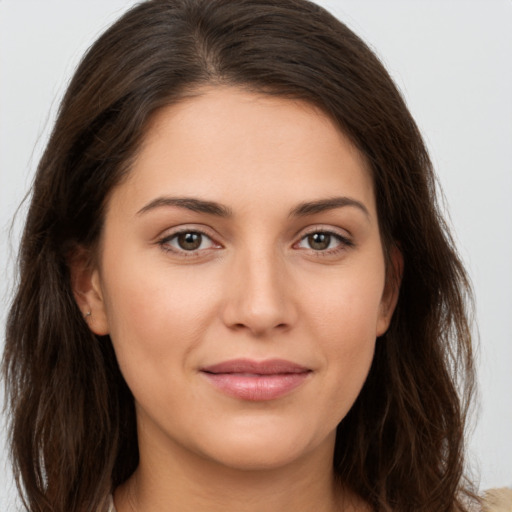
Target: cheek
(343,317)
(155,319)
(349,343)
(348,305)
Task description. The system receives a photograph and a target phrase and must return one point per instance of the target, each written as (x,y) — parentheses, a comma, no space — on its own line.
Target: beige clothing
(498,500)
(111,507)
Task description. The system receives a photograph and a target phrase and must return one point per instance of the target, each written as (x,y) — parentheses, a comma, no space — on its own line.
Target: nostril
(242,326)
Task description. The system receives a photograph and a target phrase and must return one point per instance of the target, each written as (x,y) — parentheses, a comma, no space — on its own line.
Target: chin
(265,448)
(267,457)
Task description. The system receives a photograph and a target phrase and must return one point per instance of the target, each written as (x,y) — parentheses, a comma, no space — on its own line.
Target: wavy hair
(72,420)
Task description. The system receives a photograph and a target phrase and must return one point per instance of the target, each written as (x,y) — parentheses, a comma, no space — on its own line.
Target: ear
(391,290)
(87,289)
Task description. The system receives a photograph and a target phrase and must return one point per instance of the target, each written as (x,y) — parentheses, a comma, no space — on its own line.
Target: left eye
(321,241)
(188,241)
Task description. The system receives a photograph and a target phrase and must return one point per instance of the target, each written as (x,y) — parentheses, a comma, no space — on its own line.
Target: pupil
(189,241)
(319,241)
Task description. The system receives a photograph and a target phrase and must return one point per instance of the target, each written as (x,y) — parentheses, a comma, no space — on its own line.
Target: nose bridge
(259,299)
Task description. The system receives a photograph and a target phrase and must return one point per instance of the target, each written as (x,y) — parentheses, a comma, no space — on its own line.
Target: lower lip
(256,387)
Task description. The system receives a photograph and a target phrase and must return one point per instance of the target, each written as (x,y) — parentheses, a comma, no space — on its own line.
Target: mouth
(256,380)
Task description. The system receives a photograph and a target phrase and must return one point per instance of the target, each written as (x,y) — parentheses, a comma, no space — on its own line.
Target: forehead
(231,145)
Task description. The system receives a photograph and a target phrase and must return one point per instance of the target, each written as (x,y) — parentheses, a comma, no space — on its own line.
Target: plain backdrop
(452,60)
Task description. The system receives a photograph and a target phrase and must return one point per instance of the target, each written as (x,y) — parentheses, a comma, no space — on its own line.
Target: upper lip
(268,367)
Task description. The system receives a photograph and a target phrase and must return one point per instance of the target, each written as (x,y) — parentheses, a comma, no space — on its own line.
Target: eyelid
(344,239)
(163,239)
(322,228)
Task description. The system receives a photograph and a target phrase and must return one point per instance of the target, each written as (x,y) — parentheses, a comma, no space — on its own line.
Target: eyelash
(165,241)
(344,243)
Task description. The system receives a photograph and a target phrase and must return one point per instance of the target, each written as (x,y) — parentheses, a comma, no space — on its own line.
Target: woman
(236,290)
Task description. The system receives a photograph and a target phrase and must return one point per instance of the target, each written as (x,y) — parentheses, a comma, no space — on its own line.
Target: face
(241,278)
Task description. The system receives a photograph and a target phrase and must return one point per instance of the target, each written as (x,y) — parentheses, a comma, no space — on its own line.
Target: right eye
(187,241)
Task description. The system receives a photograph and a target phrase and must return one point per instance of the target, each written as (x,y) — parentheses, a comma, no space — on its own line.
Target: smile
(256,381)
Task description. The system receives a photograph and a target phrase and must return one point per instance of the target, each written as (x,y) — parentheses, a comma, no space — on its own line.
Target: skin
(255,288)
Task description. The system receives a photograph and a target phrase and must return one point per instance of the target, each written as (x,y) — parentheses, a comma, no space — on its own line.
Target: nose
(259,296)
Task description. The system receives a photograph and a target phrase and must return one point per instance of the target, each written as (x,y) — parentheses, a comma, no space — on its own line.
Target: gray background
(452,59)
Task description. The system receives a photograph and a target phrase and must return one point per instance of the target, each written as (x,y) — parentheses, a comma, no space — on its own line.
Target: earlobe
(87,290)
(391,290)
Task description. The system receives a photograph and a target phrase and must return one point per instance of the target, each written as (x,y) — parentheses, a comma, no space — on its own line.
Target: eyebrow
(322,205)
(219,210)
(189,203)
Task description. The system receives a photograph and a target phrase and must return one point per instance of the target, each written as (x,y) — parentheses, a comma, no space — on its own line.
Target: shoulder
(497,500)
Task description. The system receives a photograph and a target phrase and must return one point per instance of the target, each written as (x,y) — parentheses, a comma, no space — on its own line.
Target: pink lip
(256,380)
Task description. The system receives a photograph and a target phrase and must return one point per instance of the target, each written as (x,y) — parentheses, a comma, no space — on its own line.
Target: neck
(184,482)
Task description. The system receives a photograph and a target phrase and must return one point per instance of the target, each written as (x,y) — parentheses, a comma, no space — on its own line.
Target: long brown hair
(73,433)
